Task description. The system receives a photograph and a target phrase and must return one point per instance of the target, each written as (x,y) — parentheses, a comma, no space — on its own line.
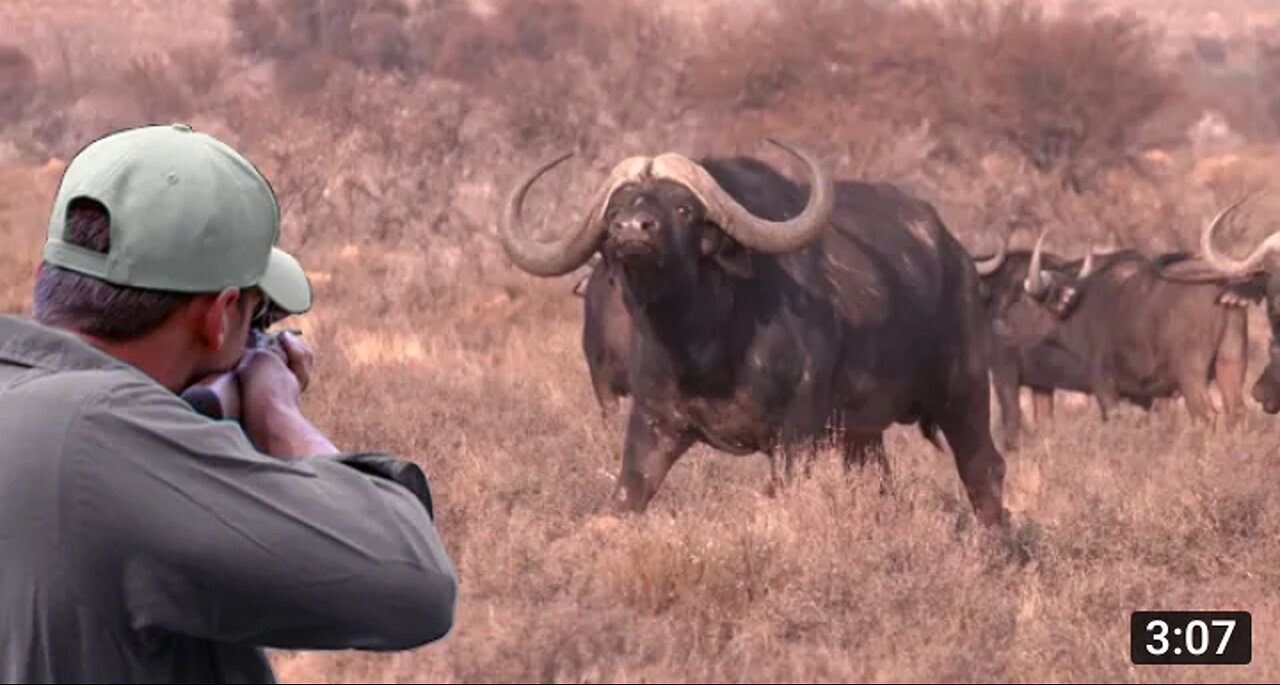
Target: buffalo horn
(1087,267)
(1035,282)
(737,221)
(569,252)
(1225,264)
(988,265)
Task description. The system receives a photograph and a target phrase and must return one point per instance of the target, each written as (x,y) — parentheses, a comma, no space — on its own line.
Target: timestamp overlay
(1191,637)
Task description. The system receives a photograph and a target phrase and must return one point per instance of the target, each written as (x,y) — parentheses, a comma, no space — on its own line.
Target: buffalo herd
(741,309)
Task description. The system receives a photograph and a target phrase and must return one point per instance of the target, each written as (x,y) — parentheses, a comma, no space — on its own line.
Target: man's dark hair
(92,306)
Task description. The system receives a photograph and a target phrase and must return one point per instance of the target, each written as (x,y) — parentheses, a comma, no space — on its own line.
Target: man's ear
(727,252)
(212,317)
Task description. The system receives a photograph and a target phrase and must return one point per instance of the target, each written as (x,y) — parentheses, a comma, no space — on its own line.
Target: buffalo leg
(964,421)
(1230,364)
(800,450)
(782,463)
(980,464)
(782,468)
(1192,376)
(1105,393)
(647,457)
(1042,403)
(1005,380)
(776,483)
(858,448)
(1102,384)
(1195,392)
(606,401)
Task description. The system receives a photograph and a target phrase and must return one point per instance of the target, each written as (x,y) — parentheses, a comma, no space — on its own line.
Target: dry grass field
(429,347)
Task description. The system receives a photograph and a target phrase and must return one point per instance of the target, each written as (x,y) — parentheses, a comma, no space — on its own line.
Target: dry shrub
(1240,88)
(846,73)
(160,92)
(256,28)
(1269,77)
(822,57)
(25,194)
(18,81)
(1069,93)
(368,33)
(564,72)
(1072,94)
(311,71)
(199,67)
(1211,50)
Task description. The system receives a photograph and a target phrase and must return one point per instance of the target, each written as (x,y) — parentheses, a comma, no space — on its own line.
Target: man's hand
(299,355)
(272,375)
(272,378)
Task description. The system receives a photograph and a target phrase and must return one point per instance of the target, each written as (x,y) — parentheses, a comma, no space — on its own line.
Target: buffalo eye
(684,211)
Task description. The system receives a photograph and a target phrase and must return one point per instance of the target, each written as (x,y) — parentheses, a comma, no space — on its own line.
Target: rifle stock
(218,398)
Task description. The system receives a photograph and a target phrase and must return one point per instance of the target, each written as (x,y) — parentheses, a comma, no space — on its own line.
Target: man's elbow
(427,612)
(438,608)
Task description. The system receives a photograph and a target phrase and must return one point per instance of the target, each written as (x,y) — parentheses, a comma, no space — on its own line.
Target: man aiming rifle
(141,541)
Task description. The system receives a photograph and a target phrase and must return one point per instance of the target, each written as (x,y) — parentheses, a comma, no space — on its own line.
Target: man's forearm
(285,433)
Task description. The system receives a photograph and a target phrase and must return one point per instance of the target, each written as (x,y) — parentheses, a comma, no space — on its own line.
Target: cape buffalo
(1252,281)
(1026,352)
(1020,326)
(1151,327)
(767,315)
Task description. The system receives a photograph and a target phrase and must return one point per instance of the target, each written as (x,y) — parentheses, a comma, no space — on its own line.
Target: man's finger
(298,356)
(295,349)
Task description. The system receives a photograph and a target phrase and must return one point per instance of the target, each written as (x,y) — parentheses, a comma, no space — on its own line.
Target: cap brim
(285,283)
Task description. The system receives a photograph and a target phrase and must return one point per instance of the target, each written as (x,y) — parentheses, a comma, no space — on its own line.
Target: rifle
(218,397)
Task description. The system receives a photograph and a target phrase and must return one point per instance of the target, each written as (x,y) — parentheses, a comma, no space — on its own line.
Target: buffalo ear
(728,253)
(1243,293)
(1067,296)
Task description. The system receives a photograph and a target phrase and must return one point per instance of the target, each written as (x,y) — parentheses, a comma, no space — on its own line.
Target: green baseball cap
(188,214)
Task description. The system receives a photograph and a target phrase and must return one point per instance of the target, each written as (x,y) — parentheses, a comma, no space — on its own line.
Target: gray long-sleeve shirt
(142,542)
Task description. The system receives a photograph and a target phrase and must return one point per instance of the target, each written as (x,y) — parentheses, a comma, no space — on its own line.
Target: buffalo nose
(637,225)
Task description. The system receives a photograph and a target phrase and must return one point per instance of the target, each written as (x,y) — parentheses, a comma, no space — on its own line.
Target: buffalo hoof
(992,517)
(626,502)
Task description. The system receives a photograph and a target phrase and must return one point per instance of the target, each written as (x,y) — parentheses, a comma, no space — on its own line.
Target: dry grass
(832,581)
